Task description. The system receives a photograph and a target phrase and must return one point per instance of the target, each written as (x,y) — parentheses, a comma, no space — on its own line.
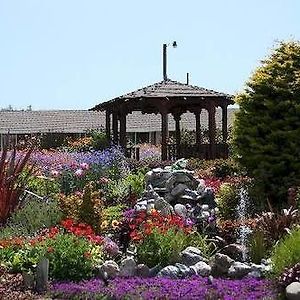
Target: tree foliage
(267,125)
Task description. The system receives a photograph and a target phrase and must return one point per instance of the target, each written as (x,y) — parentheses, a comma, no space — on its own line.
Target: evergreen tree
(267,125)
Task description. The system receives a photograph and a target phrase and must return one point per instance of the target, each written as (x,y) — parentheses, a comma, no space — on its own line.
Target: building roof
(167,89)
(80,121)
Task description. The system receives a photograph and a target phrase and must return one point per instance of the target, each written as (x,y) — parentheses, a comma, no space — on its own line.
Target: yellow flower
(104,224)
(115,224)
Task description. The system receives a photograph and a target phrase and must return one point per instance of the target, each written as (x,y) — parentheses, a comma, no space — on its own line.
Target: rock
(163,206)
(209,198)
(190,256)
(128,267)
(221,264)
(255,274)
(110,268)
(191,193)
(178,189)
(184,271)
(180,164)
(259,268)
(180,210)
(292,291)
(201,187)
(142,271)
(205,207)
(238,270)
(205,215)
(235,251)
(170,272)
(201,268)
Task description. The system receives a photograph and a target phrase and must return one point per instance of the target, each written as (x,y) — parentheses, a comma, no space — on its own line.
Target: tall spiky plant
(12,181)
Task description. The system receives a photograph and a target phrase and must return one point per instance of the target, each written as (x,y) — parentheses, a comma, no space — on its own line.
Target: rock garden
(85,222)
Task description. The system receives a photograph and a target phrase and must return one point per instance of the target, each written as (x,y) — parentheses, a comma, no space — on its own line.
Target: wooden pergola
(175,98)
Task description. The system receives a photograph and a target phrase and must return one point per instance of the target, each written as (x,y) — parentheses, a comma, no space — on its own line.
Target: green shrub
(32,217)
(43,186)
(70,257)
(227,199)
(158,248)
(287,253)
(258,248)
(164,248)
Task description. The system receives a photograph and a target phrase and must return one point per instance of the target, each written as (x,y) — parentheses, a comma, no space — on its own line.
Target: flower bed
(163,288)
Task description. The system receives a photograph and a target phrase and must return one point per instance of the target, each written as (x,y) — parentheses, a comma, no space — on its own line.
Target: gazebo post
(224,123)
(107,124)
(164,135)
(123,141)
(177,117)
(198,128)
(115,127)
(212,130)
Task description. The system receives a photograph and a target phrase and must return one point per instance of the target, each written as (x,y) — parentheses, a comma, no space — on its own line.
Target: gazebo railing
(202,151)
(133,152)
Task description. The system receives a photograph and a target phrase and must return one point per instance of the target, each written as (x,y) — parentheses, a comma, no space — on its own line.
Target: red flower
(50,250)
(87,255)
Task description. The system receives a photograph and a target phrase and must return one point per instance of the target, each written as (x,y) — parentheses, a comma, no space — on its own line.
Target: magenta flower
(84,166)
(79,173)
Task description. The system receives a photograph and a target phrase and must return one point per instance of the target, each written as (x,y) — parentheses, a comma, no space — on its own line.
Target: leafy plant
(275,225)
(91,207)
(43,186)
(258,249)
(290,275)
(33,216)
(227,199)
(70,257)
(12,184)
(287,253)
(158,248)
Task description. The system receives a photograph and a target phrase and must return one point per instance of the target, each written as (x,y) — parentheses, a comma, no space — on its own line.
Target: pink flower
(79,173)
(54,173)
(103,180)
(84,166)
(78,193)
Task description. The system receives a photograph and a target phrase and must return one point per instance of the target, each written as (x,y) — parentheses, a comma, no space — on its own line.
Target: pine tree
(267,125)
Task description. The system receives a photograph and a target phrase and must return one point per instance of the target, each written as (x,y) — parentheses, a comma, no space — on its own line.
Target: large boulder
(170,272)
(181,210)
(221,264)
(235,251)
(292,291)
(109,269)
(190,256)
(128,267)
(142,270)
(238,270)
(202,268)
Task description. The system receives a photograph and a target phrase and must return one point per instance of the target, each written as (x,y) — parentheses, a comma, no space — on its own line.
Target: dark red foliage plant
(12,180)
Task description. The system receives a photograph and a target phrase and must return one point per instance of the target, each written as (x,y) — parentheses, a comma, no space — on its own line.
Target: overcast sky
(73,54)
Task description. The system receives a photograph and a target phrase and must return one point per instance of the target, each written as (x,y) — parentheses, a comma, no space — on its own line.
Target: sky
(74,54)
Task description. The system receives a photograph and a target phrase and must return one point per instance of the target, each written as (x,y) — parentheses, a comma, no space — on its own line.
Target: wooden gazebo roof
(180,93)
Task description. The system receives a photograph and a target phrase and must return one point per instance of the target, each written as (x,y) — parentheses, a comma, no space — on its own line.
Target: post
(177,134)
(123,141)
(107,124)
(198,128)
(187,78)
(165,62)
(212,130)
(224,124)
(42,272)
(115,127)
(164,135)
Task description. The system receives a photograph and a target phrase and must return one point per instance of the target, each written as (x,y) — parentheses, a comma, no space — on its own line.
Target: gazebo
(171,97)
